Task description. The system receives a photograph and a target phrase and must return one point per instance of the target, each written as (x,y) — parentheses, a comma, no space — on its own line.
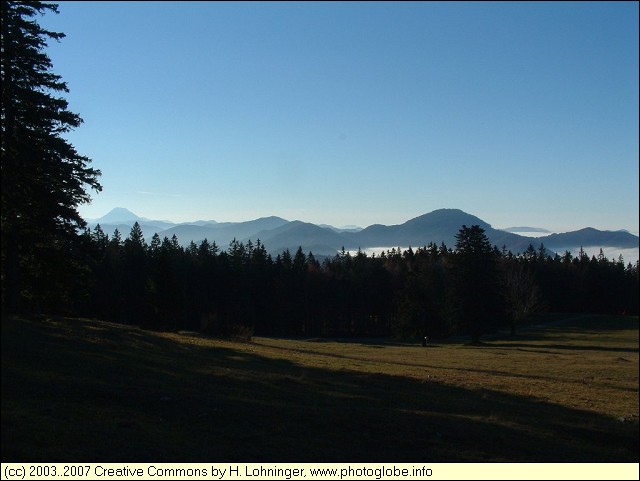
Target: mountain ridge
(439,226)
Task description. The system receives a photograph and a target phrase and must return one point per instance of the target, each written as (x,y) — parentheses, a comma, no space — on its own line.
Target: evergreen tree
(100,238)
(136,237)
(475,281)
(44,179)
(135,275)
(154,247)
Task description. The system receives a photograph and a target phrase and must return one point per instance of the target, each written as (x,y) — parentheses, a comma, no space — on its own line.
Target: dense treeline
(473,288)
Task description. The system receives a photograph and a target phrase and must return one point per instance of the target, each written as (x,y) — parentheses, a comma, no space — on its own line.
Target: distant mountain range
(439,226)
(515,230)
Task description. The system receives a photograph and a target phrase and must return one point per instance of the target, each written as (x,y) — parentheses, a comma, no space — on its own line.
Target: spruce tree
(475,281)
(44,178)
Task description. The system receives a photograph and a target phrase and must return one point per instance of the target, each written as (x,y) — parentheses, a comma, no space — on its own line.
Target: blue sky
(523,114)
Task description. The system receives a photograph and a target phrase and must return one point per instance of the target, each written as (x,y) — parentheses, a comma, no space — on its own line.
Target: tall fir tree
(475,282)
(44,178)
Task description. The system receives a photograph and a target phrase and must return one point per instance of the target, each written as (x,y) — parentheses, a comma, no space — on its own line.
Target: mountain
(319,240)
(346,228)
(590,237)
(223,232)
(516,230)
(439,226)
(123,219)
(117,215)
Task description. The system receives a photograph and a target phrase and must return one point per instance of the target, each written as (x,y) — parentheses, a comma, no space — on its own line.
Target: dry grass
(84,390)
(586,362)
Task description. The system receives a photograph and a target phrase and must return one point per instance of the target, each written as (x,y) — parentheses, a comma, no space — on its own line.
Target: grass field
(83,390)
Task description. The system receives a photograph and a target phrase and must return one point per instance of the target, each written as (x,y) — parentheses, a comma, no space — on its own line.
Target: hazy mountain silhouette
(590,237)
(118,215)
(278,234)
(319,240)
(223,232)
(123,219)
(515,230)
(348,228)
(438,226)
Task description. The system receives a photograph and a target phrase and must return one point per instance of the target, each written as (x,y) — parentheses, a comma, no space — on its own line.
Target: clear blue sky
(523,114)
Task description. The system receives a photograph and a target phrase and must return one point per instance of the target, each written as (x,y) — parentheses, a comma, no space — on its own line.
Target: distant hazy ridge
(278,234)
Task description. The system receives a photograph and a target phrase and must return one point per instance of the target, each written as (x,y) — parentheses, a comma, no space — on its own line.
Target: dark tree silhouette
(44,179)
(475,281)
(520,292)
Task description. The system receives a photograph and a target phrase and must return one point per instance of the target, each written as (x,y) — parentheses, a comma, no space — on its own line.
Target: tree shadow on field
(76,390)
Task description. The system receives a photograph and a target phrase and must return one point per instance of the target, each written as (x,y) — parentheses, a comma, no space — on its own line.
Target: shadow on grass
(75,390)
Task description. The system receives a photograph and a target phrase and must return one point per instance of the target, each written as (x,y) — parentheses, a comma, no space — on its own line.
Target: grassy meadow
(84,390)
